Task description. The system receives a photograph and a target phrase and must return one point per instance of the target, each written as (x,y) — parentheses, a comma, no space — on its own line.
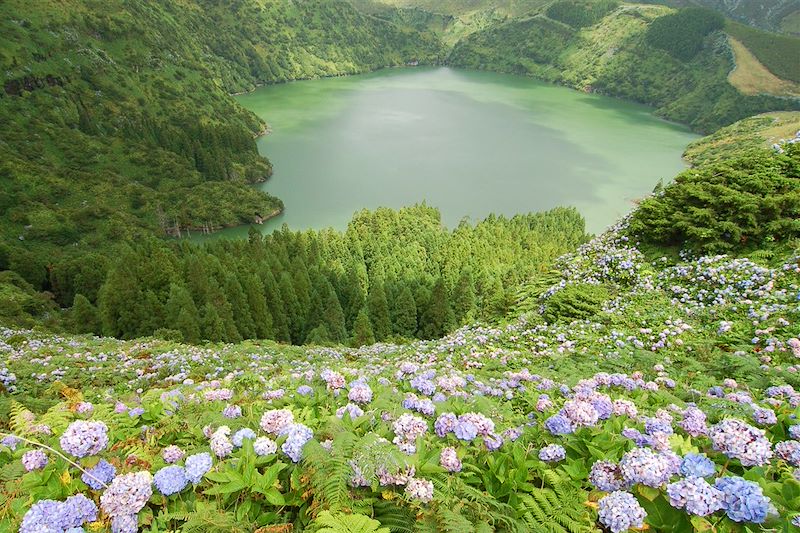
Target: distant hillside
(773,15)
(648,54)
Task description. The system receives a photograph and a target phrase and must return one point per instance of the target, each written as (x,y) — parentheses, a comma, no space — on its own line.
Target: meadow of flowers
(672,407)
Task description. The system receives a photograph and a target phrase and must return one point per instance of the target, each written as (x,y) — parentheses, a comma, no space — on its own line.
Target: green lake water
(469,143)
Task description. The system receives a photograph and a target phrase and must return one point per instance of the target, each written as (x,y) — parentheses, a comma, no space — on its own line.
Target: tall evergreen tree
(464,300)
(292,307)
(181,313)
(256,299)
(85,317)
(213,327)
(379,311)
(362,330)
(404,315)
(333,316)
(438,316)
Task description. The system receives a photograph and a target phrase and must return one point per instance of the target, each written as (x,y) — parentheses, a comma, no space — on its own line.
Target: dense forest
(391,274)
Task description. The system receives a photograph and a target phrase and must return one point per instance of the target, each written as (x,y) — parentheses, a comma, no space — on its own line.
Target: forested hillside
(772,15)
(118,123)
(648,54)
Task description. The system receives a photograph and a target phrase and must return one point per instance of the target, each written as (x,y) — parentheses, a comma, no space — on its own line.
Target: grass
(751,77)
(778,53)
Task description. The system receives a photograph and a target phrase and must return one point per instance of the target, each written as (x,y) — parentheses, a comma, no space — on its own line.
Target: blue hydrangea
(170,480)
(696,496)
(794,431)
(620,511)
(606,476)
(99,475)
(743,500)
(465,430)
(552,453)
(697,465)
(296,437)
(239,436)
(84,437)
(304,390)
(197,466)
(642,465)
(47,516)
(558,425)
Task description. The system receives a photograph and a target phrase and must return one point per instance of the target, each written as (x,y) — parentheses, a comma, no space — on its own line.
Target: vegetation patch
(682,34)
(751,77)
(778,53)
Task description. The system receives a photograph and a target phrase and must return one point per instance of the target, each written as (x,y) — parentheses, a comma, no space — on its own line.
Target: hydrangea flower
(127,494)
(407,428)
(449,460)
(552,453)
(697,465)
(558,425)
(239,436)
(10,441)
(84,437)
(197,466)
(136,411)
(420,489)
(764,417)
(34,460)
(741,441)
(580,413)
(642,465)
(794,431)
(232,411)
(220,444)
(606,476)
(304,390)
(125,524)
(47,516)
(789,451)
(264,446)
(620,511)
(352,410)
(445,423)
(170,480)
(743,500)
(172,454)
(100,475)
(296,437)
(360,392)
(696,496)
(275,420)
(465,430)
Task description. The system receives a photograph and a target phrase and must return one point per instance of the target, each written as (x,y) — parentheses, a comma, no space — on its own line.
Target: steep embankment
(635,52)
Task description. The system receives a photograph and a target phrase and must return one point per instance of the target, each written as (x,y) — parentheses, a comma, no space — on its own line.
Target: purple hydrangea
(100,475)
(125,524)
(743,500)
(696,496)
(232,411)
(789,451)
(170,480)
(304,390)
(197,466)
(352,410)
(34,460)
(172,454)
(552,453)
(697,465)
(420,489)
(643,465)
(360,392)
(274,421)
(10,441)
(127,494)
(764,417)
(465,430)
(794,431)
(694,422)
(620,511)
(47,516)
(136,411)
(580,413)
(84,437)
(445,423)
(449,460)
(606,476)
(741,441)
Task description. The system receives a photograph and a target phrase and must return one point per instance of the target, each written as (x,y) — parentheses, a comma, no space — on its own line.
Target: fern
(346,523)
(330,472)
(397,519)
(558,508)
(11,471)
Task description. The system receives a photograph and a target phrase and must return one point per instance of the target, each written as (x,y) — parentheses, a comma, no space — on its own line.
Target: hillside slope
(118,121)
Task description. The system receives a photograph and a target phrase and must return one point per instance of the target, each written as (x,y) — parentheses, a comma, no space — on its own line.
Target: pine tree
(404,316)
(333,317)
(437,314)
(292,307)
(239,306)
(362,330)
(464,301)
(85,317)
(213,326)
(379,311)
(280,320)
(181,313)
(256,299)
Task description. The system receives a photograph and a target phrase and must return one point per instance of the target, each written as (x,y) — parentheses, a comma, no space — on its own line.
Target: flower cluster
(620,511)
(407,428)
(100,475)
(127,494)
(449,460)
(34,460)
(741,441)
(552,453)
(83,438)
(197,466)
(695,495)
(274,421)
(51,516)
(297,435)
(743,500)
(170,480)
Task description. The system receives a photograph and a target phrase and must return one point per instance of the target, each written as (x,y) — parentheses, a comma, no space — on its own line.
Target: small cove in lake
(469,143)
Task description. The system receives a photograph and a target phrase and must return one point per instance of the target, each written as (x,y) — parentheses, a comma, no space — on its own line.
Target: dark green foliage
(575,302)
(362,330)
(418,272)
(580,13)
(747,202)
(779,53)
(84,316)
(20,304)
(681,34)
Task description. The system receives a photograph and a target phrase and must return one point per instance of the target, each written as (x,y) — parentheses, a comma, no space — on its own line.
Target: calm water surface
(469,143)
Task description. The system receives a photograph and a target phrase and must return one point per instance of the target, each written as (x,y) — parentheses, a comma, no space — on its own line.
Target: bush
(580,14)
(575,302)
(748,202)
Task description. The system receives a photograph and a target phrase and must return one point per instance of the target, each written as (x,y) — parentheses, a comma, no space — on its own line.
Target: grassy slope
(751,77)
(754,132)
